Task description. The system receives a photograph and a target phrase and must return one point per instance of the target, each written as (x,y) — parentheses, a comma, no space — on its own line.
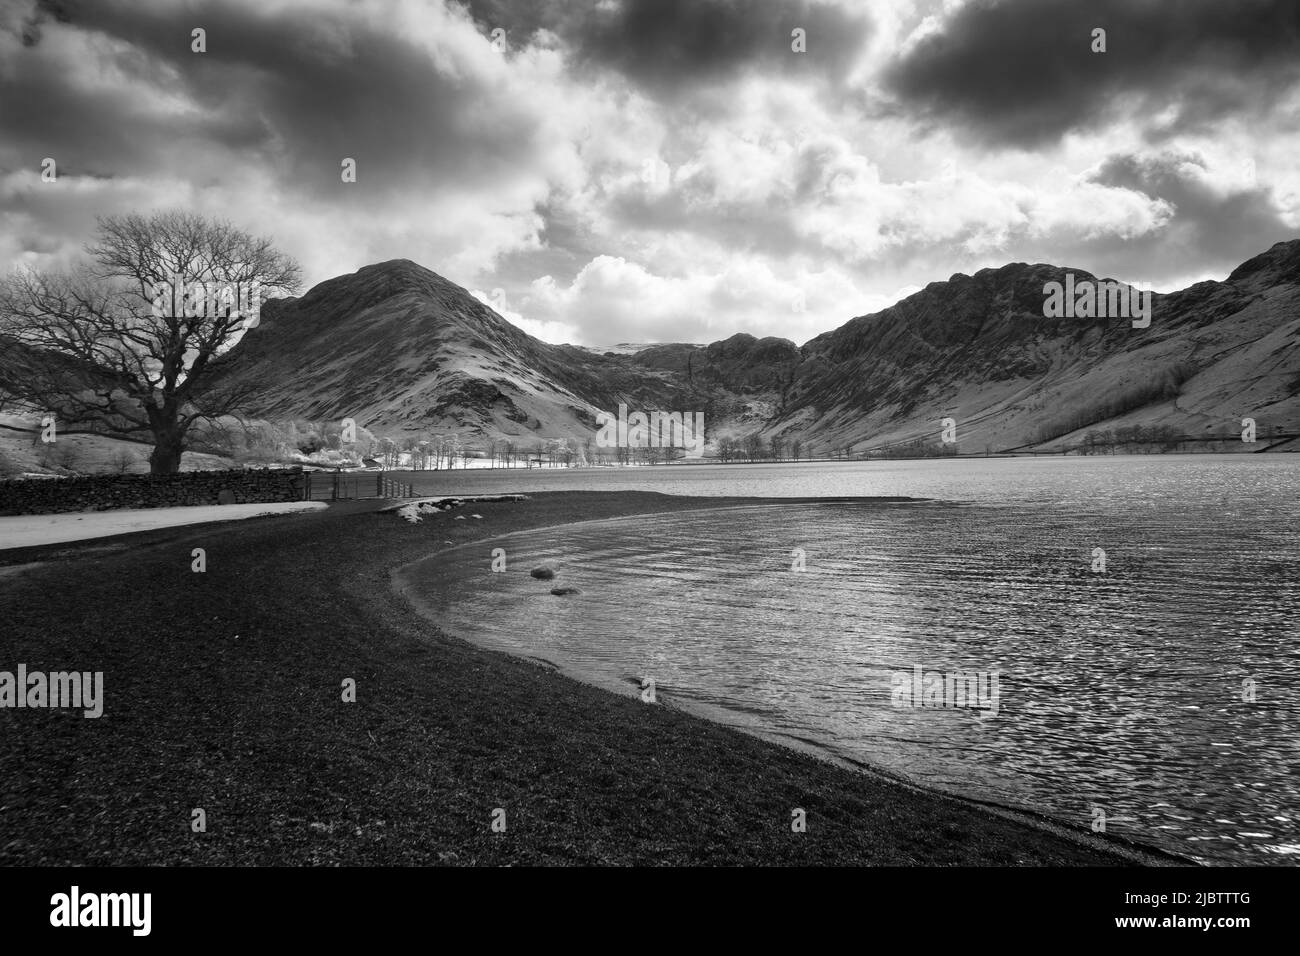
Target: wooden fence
(337,486)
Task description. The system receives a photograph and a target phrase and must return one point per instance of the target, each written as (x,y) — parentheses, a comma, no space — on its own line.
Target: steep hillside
(398,348)
(979,350)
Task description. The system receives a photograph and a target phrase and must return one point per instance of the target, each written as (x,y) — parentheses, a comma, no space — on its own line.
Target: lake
(1108,641)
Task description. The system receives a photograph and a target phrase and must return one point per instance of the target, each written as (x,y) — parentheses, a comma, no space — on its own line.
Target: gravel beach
(224,692)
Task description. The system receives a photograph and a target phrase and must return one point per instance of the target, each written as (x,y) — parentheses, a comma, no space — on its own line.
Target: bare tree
(137,339)
(121,461)
(411,445)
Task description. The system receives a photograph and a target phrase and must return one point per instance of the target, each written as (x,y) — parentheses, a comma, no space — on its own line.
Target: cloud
(636,171)
(613,300)
(1022,72)
(417,97)
(671,47)
(1220,215)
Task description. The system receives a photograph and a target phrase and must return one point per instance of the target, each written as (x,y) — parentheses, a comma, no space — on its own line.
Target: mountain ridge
(399,348)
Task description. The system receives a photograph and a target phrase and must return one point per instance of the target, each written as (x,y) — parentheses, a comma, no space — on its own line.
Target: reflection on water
(1124,693)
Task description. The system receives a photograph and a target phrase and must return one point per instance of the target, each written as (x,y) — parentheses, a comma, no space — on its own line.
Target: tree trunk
(167,449)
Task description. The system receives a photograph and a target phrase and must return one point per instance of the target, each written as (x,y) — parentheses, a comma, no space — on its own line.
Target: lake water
(1158,695)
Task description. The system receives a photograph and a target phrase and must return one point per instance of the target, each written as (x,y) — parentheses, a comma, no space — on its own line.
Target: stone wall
(106,492)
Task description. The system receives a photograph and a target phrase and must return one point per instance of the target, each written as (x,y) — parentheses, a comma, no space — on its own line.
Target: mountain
(398,348)
(978,349)
(402,350)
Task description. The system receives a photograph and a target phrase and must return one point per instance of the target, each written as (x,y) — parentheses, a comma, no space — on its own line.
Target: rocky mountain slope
(979,350)
(399,349)
(402,350)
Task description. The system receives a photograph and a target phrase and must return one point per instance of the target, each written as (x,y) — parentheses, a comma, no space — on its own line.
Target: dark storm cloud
(297,93)
(1022,72)
(666,46)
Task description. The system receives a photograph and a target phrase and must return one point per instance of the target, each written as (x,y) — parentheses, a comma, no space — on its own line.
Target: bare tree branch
(130,341)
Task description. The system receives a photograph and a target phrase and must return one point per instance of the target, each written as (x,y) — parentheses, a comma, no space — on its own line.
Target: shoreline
(222,692)
(400,578)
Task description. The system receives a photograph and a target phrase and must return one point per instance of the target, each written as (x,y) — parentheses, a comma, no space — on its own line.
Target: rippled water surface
(1124,693)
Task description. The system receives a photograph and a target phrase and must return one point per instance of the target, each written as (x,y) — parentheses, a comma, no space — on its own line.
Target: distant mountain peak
(374,284)
(397,267)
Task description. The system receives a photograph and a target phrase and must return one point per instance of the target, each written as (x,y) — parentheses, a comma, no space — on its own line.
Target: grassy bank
(223,692)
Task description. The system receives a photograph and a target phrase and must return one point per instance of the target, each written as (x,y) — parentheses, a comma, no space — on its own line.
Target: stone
(546,570)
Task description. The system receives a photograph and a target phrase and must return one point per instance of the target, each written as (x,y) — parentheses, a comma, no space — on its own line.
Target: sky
(666,170)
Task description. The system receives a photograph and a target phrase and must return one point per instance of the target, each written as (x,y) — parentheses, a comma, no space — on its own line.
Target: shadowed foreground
(223,692)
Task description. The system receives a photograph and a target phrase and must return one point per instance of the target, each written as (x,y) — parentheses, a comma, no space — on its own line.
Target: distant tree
(67,455)
(103,346)
(122,461)
(796,449)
